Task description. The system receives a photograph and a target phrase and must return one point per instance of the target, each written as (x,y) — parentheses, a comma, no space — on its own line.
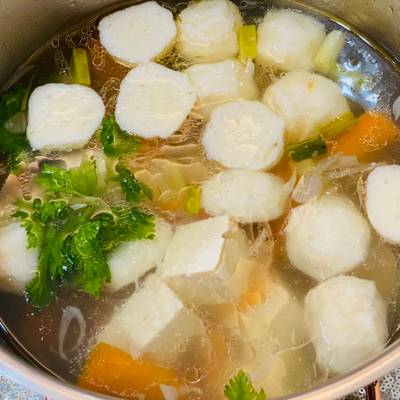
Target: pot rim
(333,389)
(42,382)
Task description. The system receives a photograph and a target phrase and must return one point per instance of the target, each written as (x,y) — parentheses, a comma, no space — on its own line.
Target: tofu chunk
(139,33)
(276,333)
(218,83)
(245,196)
(346,319)
(244,135)
(289,40)
(305,101)
(382,201)
(207,30)
(17,263)
(131,260)
(152,320)
(327,236)
(154,101)
(206,262)
(63,117)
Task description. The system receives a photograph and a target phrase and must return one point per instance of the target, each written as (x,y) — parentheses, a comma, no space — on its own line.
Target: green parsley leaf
(92,270)
(241,388)
(135,191)
(115,141)
(128,225)
(80,181)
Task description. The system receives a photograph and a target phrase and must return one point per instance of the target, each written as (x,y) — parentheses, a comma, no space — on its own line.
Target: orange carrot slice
(112,371)
(372,132)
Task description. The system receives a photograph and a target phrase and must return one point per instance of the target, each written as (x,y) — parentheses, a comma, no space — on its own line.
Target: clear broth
(36,334)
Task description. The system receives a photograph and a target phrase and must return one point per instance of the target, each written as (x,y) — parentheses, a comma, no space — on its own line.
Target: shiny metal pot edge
(334,389)
(42,19)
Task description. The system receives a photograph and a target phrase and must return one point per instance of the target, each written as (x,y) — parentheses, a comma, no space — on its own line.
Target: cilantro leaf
(128,225)
(241,388)
(73,244)
(115,141)
(48,224)
(81,180)
(92,270)
(135,191)
(36,216)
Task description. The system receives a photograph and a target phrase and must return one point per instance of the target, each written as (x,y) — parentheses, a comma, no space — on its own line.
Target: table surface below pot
(390,387)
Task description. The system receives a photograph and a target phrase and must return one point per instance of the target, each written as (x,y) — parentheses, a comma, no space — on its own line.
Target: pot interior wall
(25,25)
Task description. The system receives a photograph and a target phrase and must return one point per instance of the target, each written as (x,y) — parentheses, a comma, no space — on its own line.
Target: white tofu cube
(132,260)
(17,263)
(152,320)
(205,262)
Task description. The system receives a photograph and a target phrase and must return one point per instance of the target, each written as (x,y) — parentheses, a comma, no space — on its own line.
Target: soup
(200,201)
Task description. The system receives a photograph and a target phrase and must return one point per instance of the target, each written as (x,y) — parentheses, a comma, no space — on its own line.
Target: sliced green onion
(193,200)
(328,53)
(80,67)
(309,148)
(338,126)
(247,42)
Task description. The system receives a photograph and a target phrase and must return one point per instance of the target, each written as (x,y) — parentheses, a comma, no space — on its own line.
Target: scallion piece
(309,148)
(328,53)
(338,126)
(192,200)
(80,67)
(247,42)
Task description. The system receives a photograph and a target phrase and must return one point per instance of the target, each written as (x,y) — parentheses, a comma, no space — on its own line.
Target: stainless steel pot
(26,24)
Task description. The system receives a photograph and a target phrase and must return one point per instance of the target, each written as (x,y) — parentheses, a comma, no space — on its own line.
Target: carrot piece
(372,132)
(112,371)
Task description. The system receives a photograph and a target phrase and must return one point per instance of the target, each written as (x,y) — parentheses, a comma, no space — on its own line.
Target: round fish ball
(154,101)
(244,135)
(346,320)
(17,262)
(207,30)
(139,33)
(131,260)
(245,196)
(63,117)
(218,83)
(327,236)
(383,201)
(306,101)
(289,40)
